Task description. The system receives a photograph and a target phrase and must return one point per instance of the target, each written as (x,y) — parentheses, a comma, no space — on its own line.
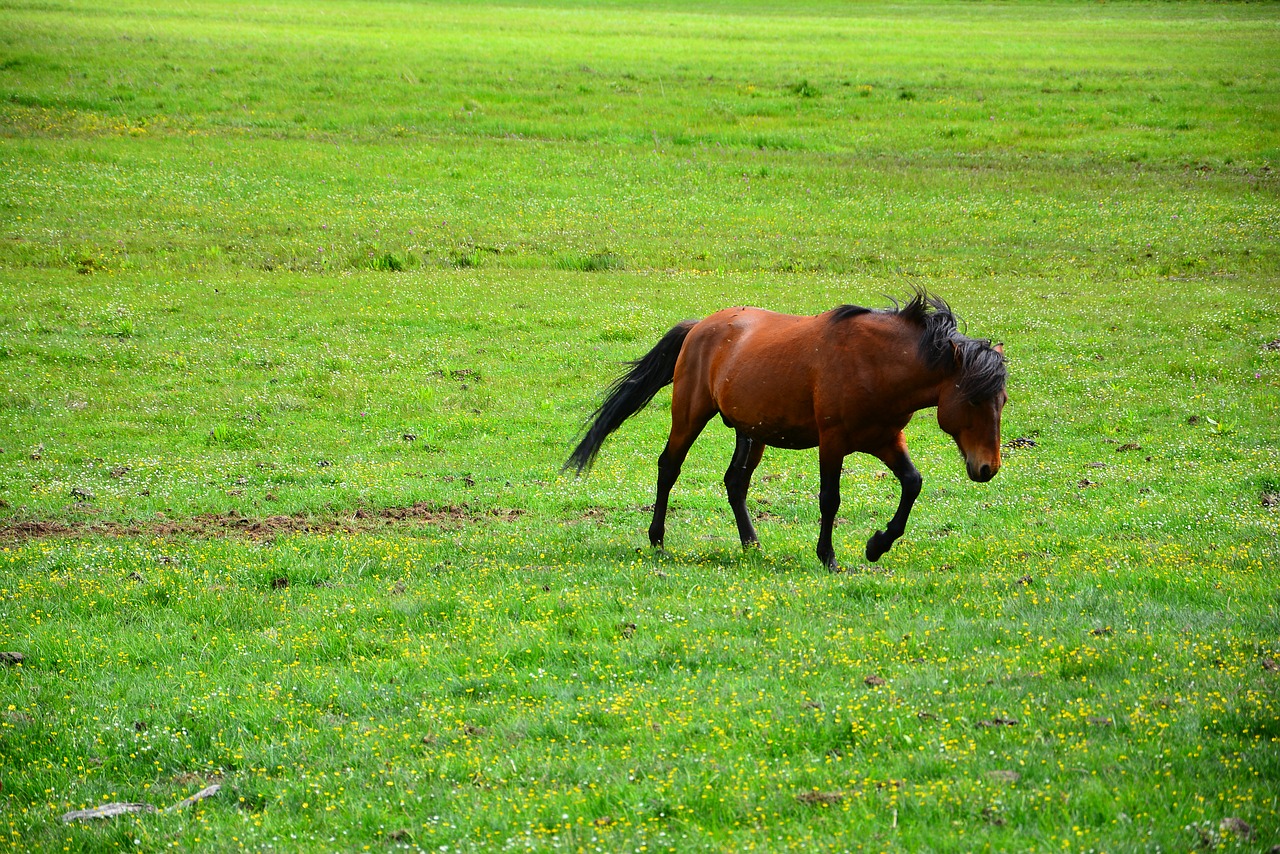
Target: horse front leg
(899,462)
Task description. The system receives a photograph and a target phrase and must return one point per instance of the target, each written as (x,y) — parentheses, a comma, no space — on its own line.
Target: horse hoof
(876,548)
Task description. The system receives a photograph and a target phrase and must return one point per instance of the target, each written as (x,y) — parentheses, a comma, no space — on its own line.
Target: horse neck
(927,391)
(890,367)
(915,383)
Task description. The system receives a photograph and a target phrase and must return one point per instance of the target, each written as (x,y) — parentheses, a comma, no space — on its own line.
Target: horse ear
(956,354)
(999,348)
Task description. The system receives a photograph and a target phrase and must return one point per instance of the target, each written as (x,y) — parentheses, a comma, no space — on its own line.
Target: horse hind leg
(737,480)
(683,434)
(830,464)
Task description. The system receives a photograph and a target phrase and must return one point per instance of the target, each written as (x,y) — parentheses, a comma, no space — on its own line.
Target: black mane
(942,345)
(844,312)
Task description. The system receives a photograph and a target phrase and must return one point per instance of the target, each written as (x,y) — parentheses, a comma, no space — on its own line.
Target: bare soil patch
(233,523)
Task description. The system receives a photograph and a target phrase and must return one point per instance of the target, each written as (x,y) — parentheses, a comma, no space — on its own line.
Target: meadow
(302,308)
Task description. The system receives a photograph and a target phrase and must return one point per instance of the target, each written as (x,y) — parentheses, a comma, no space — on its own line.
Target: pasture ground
(300,312)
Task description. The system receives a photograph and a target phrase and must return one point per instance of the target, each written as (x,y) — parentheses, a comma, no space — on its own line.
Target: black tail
(629,394)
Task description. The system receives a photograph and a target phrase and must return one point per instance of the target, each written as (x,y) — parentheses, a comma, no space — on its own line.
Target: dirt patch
(232,523)
(36,530)
(421,512)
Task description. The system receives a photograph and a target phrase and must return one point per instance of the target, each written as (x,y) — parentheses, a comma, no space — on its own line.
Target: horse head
(970,403)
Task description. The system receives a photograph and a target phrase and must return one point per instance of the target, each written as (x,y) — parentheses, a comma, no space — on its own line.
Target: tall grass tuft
(596,262)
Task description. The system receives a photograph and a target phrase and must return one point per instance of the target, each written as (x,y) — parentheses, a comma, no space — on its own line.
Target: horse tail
(630,393)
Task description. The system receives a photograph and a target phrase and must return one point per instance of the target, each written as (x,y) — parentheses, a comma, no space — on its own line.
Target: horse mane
(942,345)
(844,312)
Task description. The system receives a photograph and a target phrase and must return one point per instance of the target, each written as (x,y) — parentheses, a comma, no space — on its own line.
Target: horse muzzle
(982,472)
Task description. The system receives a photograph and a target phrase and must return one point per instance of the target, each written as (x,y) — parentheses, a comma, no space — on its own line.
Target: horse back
(784,379)
(756,368)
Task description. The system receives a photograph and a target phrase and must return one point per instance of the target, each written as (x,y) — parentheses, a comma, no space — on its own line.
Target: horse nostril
(985,472)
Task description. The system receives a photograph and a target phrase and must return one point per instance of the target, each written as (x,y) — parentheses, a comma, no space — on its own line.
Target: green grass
(272,278)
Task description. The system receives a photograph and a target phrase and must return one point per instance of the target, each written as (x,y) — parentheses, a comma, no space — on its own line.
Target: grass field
(302,307)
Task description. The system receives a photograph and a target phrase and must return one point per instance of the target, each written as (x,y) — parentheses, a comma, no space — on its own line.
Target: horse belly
(775,408)
(781,436)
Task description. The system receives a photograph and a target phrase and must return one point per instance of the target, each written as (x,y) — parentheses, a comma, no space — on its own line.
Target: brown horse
(847,380)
